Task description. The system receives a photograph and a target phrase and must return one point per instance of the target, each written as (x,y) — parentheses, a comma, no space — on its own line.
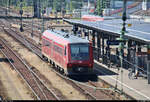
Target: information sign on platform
(114,42)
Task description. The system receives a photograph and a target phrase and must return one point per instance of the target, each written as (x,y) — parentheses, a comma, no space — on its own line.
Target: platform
(138,88)
(138,30)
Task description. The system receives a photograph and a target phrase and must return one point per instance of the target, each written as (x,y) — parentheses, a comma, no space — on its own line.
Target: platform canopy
(137,29)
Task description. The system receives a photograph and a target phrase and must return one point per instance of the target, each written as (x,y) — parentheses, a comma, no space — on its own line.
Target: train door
(45,44)
(47,47)
(50,48)
(64,57)
(55,52)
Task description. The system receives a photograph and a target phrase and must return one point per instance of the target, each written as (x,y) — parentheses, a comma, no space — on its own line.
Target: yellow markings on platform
(129,25)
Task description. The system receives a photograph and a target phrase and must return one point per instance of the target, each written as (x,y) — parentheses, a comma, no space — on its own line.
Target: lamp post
(80,9)
(43,11)
(21,13)
(43,20)
(32,28)
(6,8)
(121,46)
(32,21)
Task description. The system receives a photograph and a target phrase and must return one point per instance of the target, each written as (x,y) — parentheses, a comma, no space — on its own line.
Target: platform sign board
(114,42)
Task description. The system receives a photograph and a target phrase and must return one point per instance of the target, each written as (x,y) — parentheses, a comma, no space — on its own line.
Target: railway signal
(124,18)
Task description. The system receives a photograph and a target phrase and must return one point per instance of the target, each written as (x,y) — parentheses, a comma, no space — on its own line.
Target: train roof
(62,37)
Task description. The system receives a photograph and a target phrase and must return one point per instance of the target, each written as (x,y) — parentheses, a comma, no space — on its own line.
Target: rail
(33,74)
(73,80)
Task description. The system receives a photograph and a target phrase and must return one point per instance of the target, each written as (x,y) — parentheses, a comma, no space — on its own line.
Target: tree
(71,7)
(99,7)
(54,6)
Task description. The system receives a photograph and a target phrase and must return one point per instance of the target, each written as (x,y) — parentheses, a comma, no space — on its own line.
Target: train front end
(80,59)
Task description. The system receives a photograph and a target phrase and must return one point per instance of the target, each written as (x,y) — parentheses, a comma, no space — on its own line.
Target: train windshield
(80,51)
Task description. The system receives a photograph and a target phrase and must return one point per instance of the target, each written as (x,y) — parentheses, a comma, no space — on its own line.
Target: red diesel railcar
(71,54)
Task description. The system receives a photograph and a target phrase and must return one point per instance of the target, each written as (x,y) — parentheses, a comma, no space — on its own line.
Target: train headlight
(79,69)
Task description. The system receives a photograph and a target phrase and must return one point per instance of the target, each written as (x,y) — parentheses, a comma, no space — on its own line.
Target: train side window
(58,49)
(65,51)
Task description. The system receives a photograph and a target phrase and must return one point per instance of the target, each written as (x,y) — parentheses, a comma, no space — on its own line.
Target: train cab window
(79,51)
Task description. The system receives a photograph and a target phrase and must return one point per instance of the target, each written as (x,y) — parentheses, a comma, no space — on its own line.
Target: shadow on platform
(98,71)
(102,71)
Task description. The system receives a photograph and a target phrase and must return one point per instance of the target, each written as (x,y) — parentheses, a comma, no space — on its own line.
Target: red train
(92,18)
(71,54)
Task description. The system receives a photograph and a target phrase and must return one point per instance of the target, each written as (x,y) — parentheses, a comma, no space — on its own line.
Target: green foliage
(57,5)
(71,7)
(99,7)
(54,6)
(102,4)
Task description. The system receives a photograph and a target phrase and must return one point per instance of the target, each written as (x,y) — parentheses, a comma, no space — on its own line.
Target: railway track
(27,42)
(88,91)
(37,50)
(31,78)
(36,25)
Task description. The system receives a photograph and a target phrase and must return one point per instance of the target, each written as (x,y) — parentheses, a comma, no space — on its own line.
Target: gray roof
(139,31)
(70,39)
